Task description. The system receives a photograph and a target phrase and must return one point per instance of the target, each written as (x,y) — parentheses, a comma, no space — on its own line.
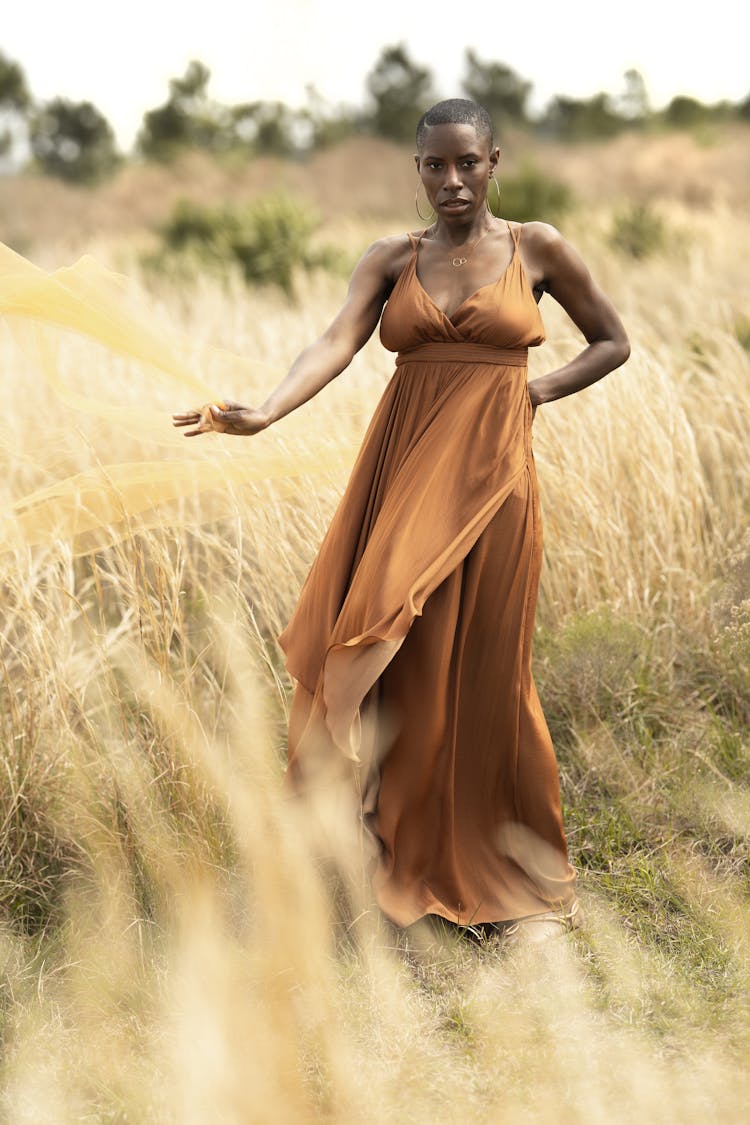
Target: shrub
(533,194)
(638,231)
(731,636)
(269,240)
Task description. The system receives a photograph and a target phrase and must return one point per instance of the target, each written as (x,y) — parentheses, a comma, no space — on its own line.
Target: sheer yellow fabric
(117,371)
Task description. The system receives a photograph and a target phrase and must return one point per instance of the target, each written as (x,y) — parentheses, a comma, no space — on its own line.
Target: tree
(15,101)
(73,140)
(400,91)
(577,119)
(14,92)
(634,103)
(497,87)
(188,118)
(265,127)
(685,112)
(327,125)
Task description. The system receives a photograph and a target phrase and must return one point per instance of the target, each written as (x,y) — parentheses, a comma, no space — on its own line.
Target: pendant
(459,261)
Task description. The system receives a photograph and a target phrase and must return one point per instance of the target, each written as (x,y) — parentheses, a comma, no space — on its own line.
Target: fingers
(224,417)
(206,420)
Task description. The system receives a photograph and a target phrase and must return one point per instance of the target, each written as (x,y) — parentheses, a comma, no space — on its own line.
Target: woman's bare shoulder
(539,236)
(378,268)
(546,252)
(388,255)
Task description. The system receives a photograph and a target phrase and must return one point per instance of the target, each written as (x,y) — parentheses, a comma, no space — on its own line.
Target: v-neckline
(489,285)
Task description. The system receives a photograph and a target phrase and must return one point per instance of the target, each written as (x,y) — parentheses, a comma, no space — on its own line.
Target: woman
(411,641)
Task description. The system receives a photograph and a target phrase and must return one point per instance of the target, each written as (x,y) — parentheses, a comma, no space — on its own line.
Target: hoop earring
(487,200)
(424,218)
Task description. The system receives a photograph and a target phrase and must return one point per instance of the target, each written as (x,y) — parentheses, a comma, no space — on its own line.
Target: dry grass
(170,949)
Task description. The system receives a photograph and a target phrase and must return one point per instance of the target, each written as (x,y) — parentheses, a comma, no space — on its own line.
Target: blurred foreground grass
(170,949)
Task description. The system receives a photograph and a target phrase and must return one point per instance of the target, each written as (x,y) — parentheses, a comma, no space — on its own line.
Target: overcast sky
(121,56)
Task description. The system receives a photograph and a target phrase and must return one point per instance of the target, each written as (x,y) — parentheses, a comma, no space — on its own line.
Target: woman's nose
(452,177)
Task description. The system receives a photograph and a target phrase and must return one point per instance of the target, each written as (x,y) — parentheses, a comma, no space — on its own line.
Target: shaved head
(455,111)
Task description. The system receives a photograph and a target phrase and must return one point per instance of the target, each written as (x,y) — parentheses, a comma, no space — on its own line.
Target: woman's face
(455,166)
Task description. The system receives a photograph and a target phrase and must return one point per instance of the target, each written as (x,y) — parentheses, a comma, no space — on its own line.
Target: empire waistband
(457,352)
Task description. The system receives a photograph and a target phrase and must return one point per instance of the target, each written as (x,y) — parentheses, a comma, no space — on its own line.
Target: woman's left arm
(562,273)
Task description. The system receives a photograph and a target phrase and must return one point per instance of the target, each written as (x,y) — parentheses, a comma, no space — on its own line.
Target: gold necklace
(458,260)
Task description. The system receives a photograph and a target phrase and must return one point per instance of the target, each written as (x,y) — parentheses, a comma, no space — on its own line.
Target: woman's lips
(455,204)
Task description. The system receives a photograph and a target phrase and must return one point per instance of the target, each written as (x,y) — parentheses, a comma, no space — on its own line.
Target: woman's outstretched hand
(222,418)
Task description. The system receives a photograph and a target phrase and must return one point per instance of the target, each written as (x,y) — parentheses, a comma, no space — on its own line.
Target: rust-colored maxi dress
(419,611)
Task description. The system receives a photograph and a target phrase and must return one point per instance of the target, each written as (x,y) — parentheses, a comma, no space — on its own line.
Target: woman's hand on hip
(222,418)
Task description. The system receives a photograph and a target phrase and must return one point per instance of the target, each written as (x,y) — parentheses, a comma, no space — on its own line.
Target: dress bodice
(503,314)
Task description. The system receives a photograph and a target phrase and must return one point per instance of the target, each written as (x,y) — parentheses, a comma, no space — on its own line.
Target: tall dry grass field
(171,949)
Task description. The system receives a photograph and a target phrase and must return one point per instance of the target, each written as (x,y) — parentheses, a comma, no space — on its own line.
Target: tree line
(75,141)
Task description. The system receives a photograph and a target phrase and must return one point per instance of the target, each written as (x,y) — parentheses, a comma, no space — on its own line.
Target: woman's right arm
(322,360)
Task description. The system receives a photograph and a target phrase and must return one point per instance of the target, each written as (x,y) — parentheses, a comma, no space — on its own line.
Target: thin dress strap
(515,234)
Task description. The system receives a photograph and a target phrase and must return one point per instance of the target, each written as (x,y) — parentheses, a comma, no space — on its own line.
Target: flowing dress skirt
(417,616)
